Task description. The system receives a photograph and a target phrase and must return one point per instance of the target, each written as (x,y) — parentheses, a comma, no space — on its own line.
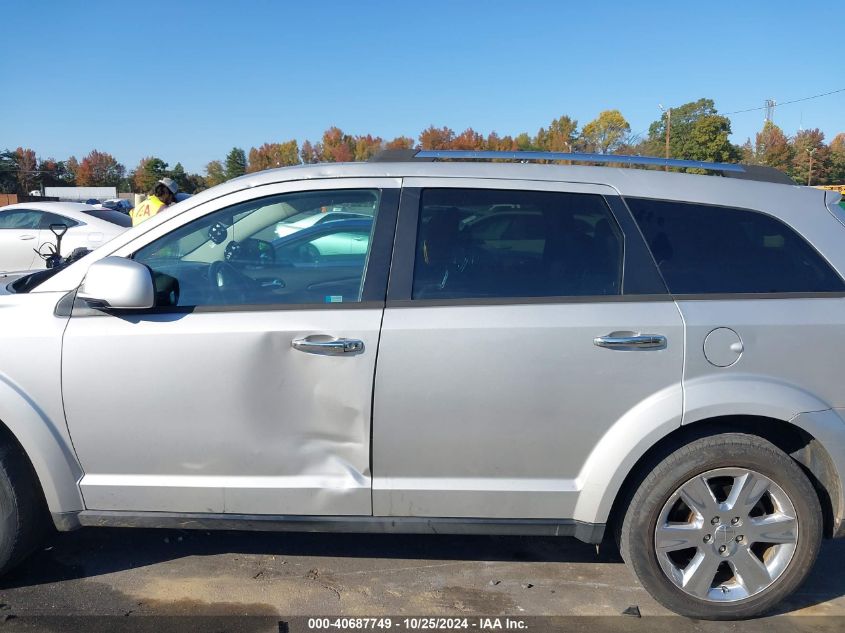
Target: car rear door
(19,237)
(233,396)
(507,354)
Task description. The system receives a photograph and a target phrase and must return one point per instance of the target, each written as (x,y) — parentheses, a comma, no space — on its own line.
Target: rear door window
(21,219)
(476,243)
(702,249)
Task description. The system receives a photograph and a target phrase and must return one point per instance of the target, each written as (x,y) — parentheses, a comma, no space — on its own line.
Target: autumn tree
(606,133)
(837,160)
(215,173)
(148,172)
(235,163)
(496,143)
(436,138)
(308,153)
(99,169)
(400,142)
(271,155)
(772,148)
(367,146)
(26,164)
(809,149)
(335,147)
(560,136)
(72,168)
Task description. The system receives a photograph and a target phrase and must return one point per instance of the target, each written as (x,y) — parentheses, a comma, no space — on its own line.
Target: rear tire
(23,517)
(702,542)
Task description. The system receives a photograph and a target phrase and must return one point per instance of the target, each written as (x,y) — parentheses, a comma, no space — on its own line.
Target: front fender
(30,394)
(44,444)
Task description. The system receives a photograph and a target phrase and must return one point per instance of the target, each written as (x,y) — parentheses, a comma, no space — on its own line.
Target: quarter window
(475,243)
(704,249)
(251,253)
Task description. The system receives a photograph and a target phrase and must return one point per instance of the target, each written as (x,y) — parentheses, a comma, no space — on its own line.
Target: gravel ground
(114,572)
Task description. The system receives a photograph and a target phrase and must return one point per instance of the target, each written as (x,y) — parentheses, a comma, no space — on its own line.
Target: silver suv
(479,347)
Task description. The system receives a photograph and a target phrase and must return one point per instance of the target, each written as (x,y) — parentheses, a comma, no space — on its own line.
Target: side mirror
(118,283)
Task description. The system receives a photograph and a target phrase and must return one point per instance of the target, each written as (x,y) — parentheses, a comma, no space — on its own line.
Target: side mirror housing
(118,283)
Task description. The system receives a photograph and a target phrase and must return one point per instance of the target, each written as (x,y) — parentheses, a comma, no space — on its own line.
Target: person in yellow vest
(163,196)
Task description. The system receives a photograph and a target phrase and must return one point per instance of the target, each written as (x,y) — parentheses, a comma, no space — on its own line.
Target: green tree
(235,163)
(53,173)
(179,177)
(697,132)
(605,134)
(214,173)
(524,142)
(8,172)
(810,150)
(194,183)
(149,171)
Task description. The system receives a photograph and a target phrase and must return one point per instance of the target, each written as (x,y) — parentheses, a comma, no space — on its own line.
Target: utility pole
(770,110)
(810,170)
(668,129)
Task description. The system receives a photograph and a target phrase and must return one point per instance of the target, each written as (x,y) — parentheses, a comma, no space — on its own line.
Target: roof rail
(457,154)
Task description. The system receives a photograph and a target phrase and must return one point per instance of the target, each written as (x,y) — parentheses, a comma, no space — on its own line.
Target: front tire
(723,528)
(23,516)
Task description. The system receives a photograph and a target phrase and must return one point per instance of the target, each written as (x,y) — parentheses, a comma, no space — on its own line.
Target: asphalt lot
(156,572)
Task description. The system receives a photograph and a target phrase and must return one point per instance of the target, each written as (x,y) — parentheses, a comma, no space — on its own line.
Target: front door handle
(26,237)
(327,345)
(630,341)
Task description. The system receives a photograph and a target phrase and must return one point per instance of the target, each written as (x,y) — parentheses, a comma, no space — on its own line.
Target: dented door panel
(216,412)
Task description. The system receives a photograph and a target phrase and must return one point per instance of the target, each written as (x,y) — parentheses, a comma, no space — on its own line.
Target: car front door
(507,354)
(238,393)
(19,237)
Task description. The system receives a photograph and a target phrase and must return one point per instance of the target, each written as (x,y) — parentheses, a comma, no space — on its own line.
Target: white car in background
(25,230)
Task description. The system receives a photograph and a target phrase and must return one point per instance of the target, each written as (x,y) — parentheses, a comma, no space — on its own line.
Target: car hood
(8,278)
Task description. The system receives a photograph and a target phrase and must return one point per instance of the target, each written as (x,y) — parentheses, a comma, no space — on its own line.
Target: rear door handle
(630,341)
(26,237)
(327,346)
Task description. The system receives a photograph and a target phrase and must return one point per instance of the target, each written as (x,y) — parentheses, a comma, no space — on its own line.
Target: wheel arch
(55,466)
(794,437)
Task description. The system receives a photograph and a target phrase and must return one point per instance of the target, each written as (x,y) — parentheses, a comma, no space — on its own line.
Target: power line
(824,94)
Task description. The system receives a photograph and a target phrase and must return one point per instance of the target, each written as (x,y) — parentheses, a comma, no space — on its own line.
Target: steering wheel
(229,284)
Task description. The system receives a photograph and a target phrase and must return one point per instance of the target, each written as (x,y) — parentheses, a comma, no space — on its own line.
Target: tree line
(696,132)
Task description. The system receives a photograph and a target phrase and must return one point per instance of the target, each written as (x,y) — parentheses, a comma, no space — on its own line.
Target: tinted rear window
(703,249)
(476,243)
(115,217)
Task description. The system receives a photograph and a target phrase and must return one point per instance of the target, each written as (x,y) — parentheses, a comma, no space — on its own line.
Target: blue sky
(187,80)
